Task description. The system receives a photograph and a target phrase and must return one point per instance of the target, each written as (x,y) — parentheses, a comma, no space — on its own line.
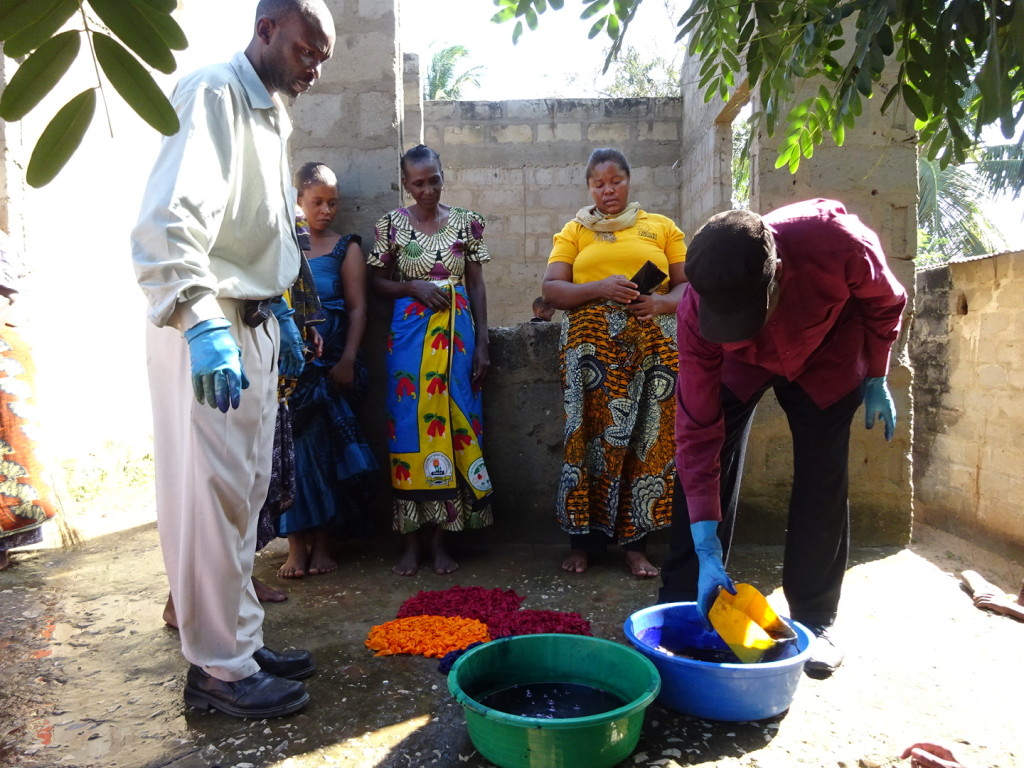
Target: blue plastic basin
(714,691)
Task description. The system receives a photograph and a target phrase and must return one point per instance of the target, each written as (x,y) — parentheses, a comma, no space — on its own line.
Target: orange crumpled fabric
(431,636)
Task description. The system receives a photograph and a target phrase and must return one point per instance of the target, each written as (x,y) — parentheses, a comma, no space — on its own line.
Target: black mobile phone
(648,277)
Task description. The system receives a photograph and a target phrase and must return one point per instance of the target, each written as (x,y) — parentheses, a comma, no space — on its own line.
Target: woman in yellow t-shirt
(618,364)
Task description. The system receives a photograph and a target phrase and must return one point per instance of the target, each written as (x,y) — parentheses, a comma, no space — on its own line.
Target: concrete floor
(92,678)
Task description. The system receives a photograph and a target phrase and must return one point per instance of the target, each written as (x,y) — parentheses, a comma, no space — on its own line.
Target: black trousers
(818,530)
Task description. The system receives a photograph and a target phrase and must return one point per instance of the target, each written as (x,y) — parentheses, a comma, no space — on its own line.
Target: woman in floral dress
(428,258)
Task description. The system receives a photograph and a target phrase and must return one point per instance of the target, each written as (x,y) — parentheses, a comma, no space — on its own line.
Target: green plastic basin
(595,741)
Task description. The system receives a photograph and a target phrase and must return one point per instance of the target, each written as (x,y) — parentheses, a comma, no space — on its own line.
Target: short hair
(607,155)
(279,9)
(418,154)
(539,304)
(314,173)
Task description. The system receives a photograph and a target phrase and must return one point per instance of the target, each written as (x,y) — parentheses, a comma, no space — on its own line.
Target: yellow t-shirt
(653,238)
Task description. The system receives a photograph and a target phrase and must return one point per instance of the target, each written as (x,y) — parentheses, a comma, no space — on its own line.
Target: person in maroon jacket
(800,301)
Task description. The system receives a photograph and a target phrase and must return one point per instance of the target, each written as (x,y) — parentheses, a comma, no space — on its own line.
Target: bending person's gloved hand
(712,570)
(291,359)
(217,375)
(878,403)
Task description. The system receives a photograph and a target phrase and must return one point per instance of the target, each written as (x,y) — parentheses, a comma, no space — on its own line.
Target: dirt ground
(92,679)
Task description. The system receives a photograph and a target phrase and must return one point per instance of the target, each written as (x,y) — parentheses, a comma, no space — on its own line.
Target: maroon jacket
(837,317)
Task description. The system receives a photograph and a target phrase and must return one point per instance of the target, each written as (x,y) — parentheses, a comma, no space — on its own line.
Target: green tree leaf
(134,29)
(136,86)
(613,27)
(60,139)
(914,103)
(168,29)
(34,35)
(16,15)
(593,9)
(944,48)
(164,6)
(39,73)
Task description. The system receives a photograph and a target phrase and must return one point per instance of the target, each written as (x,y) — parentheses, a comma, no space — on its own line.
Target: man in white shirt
(214,249)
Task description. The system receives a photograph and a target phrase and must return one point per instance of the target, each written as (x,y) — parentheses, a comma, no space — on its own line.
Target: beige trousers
(212,476)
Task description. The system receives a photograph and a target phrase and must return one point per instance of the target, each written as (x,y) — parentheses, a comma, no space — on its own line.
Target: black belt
(255,312)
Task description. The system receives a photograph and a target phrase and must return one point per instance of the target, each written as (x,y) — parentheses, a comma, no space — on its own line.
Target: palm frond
(951,210)
(1001,166)
(442,83)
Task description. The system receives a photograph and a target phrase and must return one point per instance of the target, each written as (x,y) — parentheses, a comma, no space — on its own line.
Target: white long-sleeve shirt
(217,217)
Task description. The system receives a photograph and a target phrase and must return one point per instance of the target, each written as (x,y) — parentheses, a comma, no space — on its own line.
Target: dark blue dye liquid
(552,700)
(691,645)
(700,646)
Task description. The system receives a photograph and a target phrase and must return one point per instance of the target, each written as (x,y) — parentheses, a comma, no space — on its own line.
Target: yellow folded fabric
(747,623)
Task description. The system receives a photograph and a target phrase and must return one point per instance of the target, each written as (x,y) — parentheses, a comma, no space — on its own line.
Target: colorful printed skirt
(435,418)
(618,380)
(335,471)
(25,497)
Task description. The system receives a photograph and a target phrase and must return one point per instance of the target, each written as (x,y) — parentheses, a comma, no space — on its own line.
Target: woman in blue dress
(333,464)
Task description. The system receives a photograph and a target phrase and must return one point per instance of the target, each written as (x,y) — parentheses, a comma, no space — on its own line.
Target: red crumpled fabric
(468,602)
(534,622)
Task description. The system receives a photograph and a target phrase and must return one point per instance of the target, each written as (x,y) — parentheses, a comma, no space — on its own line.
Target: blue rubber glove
(291,359)
(712,576)
(878,403)
(217,375)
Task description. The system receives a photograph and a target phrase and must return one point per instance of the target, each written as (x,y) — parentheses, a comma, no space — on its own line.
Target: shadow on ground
(92,678)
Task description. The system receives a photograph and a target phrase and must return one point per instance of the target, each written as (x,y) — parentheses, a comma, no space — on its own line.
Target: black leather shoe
(259,695)
(291,665)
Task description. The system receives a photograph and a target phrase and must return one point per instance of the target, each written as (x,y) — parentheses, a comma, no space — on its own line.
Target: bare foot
(576,562)
(320,560)
(298,557)
(170,618)
(291,569)
(410,561)
(5,560)
(321,564)
(266,593)
(640,566)
(443,562)
(408,565)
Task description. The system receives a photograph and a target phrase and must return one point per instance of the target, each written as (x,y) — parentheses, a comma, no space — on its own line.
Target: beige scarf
(595,221)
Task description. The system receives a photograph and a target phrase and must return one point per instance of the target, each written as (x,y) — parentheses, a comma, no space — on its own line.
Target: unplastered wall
(351,120)
(968,387)
(522,165)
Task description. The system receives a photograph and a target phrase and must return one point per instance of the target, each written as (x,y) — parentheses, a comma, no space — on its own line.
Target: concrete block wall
(13,159)
(705,150)
(524,430)
(412,89)
(351,121)
(521,164)
(968,388)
